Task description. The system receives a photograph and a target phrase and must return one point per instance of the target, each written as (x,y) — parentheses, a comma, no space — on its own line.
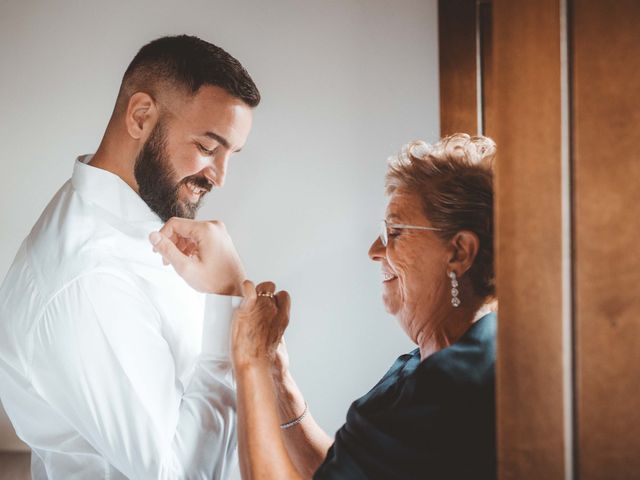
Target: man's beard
(156,184)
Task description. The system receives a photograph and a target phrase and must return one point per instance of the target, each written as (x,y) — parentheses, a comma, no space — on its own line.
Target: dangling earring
(455,301)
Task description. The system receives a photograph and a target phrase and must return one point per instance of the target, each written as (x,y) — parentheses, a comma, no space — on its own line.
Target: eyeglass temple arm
(413,227)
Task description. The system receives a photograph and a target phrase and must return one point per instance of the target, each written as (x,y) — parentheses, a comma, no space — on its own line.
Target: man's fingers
(185,233)
(170,253)
(185,245)
(192,230)
(177,226)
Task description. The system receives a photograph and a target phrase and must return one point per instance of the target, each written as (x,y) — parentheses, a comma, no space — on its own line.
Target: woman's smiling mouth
(387,277)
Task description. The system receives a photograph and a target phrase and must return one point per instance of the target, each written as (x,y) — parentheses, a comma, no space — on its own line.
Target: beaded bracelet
(296,421)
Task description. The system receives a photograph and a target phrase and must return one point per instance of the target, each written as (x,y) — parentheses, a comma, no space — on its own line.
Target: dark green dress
(425,420)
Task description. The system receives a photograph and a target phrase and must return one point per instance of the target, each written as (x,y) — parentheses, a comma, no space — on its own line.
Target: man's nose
(217,172)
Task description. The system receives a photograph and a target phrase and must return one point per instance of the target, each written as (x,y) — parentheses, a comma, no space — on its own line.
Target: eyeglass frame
(384,231)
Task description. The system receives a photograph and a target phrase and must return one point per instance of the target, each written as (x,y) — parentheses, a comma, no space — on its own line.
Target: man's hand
(202,253)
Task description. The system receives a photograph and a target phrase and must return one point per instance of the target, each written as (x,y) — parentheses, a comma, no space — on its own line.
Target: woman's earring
(455,301)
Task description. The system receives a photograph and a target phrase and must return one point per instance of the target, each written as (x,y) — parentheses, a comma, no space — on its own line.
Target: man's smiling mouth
(195,189)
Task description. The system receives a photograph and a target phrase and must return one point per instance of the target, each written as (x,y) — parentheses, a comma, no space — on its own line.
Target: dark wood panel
(606,92)
(526,105)
(457,38)
(486,58)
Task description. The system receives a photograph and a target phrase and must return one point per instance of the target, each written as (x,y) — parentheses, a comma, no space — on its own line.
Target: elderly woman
(432,414)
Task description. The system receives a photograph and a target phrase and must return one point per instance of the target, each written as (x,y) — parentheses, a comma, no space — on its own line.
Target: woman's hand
(258,325)
(202,253)
(280,367)
(268,395)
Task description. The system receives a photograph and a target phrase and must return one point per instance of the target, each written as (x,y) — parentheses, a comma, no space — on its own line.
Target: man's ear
(141,115)
(464,249)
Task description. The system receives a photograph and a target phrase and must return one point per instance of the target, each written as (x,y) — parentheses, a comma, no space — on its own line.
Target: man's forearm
(306,442)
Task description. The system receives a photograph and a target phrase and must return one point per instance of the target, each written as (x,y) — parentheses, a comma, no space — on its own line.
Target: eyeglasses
(384,229)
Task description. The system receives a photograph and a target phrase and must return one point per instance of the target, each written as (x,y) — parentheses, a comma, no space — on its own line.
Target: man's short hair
(186,63)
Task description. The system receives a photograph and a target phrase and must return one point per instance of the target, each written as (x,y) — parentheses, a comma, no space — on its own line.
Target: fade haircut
(185,63)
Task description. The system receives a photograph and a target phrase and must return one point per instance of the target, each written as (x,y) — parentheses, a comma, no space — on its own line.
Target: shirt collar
(110,192)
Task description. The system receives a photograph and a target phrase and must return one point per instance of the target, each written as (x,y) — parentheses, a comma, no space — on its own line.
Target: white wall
(344,82)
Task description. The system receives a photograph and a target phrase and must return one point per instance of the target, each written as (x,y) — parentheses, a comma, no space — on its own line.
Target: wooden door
(557,84)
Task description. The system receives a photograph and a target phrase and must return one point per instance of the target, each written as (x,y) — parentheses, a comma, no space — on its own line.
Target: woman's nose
(377,250)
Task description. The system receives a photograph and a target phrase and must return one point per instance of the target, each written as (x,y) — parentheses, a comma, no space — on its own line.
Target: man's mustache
(198,181)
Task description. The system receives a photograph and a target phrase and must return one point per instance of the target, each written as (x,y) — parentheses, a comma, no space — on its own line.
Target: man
(111,366)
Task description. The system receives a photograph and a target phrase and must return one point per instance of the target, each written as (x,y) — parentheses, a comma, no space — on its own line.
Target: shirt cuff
(218,312)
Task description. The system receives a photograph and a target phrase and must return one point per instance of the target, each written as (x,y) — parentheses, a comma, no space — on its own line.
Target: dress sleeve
(431,420)
(100,359)
(383,445)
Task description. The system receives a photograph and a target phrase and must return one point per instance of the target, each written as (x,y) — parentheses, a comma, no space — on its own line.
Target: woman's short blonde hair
(454,180)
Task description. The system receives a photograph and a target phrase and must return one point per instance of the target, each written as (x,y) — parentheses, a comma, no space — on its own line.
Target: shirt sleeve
(99,358)
(216,336)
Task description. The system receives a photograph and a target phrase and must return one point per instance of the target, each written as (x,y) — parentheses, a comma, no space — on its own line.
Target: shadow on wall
(15,459)
(15,465)
(8,439)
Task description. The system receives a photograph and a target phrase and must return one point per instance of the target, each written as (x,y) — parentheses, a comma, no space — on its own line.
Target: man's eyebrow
(220,139)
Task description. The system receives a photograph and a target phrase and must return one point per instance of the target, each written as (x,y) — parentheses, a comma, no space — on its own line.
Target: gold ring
(266,294)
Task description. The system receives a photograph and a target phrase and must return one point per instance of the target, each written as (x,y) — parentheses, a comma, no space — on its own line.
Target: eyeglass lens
(383,233)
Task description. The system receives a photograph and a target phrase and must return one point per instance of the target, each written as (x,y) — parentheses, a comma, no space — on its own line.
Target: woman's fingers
(284,302)
(284,307)
(259,324)
(266,287)
(248,291)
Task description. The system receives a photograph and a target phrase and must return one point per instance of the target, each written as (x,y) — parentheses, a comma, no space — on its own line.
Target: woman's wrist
(291,403)
(243,365)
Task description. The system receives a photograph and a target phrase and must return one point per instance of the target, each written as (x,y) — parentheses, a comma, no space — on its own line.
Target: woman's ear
(141,115)
(464,246)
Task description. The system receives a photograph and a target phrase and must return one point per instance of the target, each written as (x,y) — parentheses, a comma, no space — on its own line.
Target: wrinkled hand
(258,325)
(202,253)
(280,367)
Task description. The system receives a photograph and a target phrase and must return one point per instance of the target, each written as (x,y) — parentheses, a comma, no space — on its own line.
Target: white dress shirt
(111,366)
